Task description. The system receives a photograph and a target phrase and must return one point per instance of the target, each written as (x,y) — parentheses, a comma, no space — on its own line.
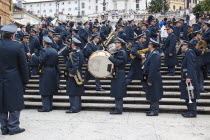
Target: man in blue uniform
(183,30)
(189,76)
(147,34)
(176,29)
(48,61)
(34,42)
(75,86)
(21,33)
(153,30)
(170,51)
(59,28)
(152,77)
(198,25)
(206,37)
(85,34)
(121,33)
(13,78)
(135,72)
(104,31)
(88,50)
(200,70)
(130,32)
(118,82)
(95,29)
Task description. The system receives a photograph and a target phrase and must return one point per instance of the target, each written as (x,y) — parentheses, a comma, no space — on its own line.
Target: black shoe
(71,111)
(100,89)
(203,91)
(43,110)
(5,132)
(147,112)
(152,114)
(189,115)
(115,112)
(20,130)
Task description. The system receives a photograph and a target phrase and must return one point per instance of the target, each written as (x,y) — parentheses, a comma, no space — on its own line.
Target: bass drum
(99,65)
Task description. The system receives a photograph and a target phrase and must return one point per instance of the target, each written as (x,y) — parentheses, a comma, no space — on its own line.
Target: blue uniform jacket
(129,34)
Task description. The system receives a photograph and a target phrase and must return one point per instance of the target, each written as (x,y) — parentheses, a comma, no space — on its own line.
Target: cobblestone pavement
(92,125)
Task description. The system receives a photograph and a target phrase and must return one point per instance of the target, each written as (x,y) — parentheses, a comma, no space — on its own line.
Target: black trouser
(88,76)
(171,70)
(154,106)
(119,104)
(192,107)
(75,102)
(47,101)
(9,121)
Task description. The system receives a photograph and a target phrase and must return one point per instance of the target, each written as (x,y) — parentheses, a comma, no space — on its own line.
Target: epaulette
(17,41)
(78,51)
(154,52)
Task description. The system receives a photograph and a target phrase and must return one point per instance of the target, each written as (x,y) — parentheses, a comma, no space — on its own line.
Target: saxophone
(77,77)
(139,52)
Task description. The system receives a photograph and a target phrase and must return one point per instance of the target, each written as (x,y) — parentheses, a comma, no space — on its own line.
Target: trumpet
(139,52)
(190,89)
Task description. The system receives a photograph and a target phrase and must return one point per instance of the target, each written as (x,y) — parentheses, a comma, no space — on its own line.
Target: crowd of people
(34,50)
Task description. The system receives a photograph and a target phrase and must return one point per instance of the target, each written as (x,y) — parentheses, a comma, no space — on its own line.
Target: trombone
(190,89)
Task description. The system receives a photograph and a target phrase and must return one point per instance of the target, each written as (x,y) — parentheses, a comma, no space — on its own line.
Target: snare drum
(99,65)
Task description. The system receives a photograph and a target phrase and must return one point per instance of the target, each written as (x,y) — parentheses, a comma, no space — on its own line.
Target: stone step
(127,100)
(127,107)
(166,94)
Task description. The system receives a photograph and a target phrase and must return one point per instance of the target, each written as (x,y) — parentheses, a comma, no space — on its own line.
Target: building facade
(85,7)
(176,5)
(5,11)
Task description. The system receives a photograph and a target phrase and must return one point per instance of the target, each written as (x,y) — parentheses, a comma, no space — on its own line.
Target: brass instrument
(139,52)
(128,46)
(190,89)
(77,77)
(202,45)
(109,38)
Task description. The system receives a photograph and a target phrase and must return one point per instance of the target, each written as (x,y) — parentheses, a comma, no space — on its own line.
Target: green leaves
(155,6)
(202,6)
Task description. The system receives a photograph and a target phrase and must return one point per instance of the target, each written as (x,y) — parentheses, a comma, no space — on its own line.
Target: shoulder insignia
(78,51)
(154,52)
(17,41)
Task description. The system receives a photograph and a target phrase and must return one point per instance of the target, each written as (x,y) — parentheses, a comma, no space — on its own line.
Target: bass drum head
(99,65)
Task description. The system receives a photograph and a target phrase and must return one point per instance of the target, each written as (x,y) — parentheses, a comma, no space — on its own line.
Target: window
(83,13)
(37,5)
(137,6)
(96,1)
(75,2)
(50,10)
(69,2)
(44,11)
(44,4)
(174,7)
(37,11)
(50,4)
(89,7)
(83,5)
(69,9)
(96,8)
(75,8)
(63,3)
(63,9)
(31,5)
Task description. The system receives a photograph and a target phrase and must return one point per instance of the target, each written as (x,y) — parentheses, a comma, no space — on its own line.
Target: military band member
(147,33)
(48,61)
(206,37)
(74,67)
(176,29)
(189,75)
(25,42)
(95,28)
(153,30)
(198,63)
(135,72)
(118,82)
(90,49)
(170,51)
(85,34)
(198,25)
(59,28)
(130,32)
(183,30)
(21,33)
(34,42)
(152,77)
(104,31)
(121,33)
(13,76)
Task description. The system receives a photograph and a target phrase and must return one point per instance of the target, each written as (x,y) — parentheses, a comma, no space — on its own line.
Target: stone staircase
(100,100)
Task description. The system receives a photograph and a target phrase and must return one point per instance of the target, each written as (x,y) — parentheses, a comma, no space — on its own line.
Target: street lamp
(57,9)
(104,5)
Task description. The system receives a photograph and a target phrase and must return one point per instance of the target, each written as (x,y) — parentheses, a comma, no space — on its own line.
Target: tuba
(202,45)
(78,76)
(139,52)
(109,38)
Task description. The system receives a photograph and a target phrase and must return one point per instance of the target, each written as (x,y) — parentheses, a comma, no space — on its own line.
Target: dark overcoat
(13,75)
